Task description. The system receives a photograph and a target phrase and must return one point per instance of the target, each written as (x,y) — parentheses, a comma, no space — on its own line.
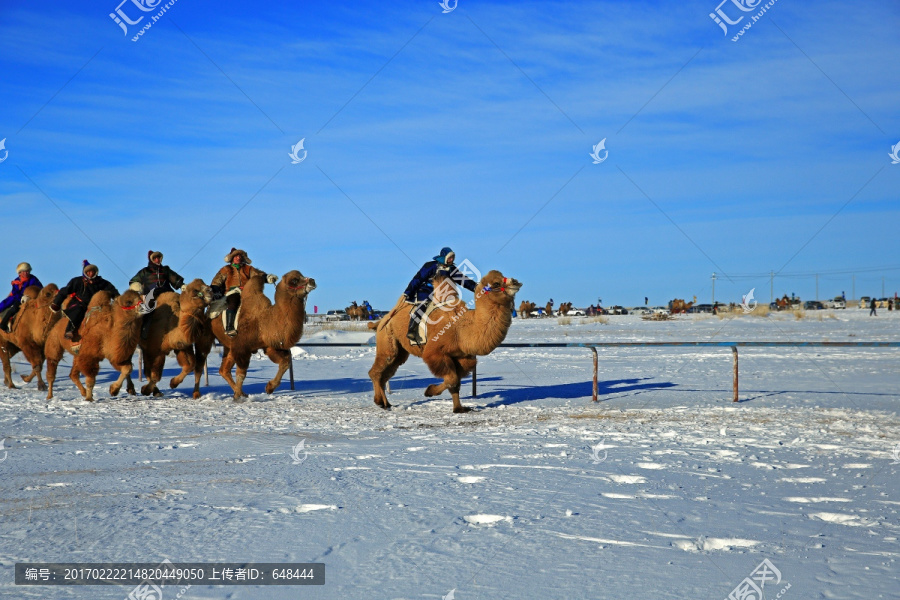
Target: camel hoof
(196,395)
(461,409)
(157,393)
(42,387)
(270,388)
(146,389)
(113,390)
(432,390)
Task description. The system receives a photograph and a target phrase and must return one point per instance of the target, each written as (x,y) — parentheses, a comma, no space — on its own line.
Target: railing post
(291,371)
(474,381)
(734,353)
(140,364)
(206,371)
(594,351)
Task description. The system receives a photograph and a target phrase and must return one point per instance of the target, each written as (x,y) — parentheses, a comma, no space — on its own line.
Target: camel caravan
(89,321)
(529,310)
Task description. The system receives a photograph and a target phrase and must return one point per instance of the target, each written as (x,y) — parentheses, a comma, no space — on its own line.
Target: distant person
(890,304)
(872,306)
(843,296)
(10,305)
(646,301)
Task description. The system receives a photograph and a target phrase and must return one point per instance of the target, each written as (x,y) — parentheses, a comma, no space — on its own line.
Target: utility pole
(817,286)
(882,286)
(854,287)
(713,288)
(771,286)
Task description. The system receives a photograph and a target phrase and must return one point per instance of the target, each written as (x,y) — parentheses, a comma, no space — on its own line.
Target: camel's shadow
(570,391)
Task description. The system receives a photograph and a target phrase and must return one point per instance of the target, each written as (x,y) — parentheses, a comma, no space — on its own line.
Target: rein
(488,288)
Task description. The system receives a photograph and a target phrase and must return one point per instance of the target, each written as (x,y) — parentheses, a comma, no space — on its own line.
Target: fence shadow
(571,391)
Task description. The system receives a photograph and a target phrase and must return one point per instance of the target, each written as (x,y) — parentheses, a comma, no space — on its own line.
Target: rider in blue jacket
(10,305)
(421,288)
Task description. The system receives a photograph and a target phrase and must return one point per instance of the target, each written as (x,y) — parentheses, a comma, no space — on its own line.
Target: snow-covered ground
(664,489)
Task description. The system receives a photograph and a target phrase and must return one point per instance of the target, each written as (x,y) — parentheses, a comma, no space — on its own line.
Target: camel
(526,308)
(178,324)
(564,308)
(110,331)
(548,310)
(679,306)
(360,313)
(30,328)
(456,337)
(264,326)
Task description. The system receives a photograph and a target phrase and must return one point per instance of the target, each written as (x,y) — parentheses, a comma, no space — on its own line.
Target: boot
(415,318)
(230,331)
(70,331)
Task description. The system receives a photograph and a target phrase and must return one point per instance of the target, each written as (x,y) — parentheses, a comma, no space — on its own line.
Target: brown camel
(110,330)
(680,306)
(273,328)
(178,324)
(456,336)
(360,313)
(564,308)
(30,328)
(548,310)
(525,309)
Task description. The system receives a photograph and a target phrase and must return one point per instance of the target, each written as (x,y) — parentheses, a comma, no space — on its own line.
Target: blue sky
(470,129)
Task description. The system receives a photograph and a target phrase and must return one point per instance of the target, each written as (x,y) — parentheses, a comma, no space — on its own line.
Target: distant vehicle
(639,310)
(864,301)
(813,305)
(337,315)
(838,302)
(573,312)
(616,310)
(659,310)
(702,308)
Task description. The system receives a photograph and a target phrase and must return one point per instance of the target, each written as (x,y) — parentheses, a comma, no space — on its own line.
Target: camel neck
(491,324)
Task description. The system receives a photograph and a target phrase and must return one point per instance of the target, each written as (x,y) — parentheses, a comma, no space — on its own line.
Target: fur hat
(445,252)
(151,254)
(23,267)
(88,266)
(234,252)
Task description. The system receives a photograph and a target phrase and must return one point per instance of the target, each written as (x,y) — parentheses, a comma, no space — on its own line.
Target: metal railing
(594,345)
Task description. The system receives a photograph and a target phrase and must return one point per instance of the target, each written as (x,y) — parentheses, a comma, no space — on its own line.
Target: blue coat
(421,288)
(18,289)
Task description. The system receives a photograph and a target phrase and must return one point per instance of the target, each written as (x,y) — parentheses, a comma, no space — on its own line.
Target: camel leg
(36,372)
(51,376)
(225,368)
(5,355)
(388,359)
(75,376)
(242,363)
(124,373)
(153,366)
(435,389)
(449,369)
(283,359)
(186,360)
(201,351)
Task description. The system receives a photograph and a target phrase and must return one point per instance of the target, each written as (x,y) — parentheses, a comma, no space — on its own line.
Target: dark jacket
(81,290)
(421,286)
(18,288)
(159,277)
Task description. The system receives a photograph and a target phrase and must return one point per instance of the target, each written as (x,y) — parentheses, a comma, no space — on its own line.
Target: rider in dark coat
(10,305)
(421,288)
(155,276)
(81,290)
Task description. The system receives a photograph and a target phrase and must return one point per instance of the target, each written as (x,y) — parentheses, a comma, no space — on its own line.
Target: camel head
(47,293)
(497,288)
(295,284)
(196,296)
(127,302)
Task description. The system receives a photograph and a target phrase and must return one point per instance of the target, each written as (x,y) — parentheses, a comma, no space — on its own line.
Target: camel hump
(30,293)
(101,298)
(373,324)
(255,284)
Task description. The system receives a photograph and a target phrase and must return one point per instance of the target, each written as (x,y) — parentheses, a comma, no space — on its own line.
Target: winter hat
(88,266)
(229,258)
(23,267)
(151,254)
(445,252)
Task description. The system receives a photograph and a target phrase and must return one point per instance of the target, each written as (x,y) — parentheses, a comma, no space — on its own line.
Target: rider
(155,276)
(81,290)
(230,280)
(10,305)
(421,288)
